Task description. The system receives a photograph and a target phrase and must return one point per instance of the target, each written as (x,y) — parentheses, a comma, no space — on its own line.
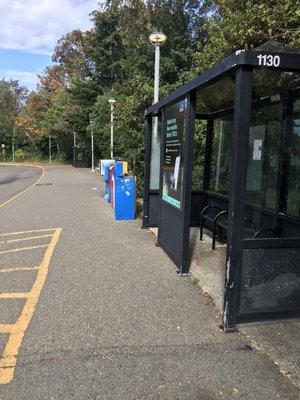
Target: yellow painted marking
(30,187)
(26,238)
(16,295)
(14,269)
(9,358)
(23,249)
(7,328)
(22,232)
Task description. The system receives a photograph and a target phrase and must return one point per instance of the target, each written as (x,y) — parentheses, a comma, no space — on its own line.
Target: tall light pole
(50,153)
(157,39)
(111,102)
(3,151)
(74,149)
(13,149)
(92,146)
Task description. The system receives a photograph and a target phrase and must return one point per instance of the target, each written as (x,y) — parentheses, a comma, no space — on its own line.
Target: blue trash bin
(124,198)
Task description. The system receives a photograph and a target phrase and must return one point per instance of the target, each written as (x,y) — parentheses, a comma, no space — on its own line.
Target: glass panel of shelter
(273,170)
(270,280)
(215,102)
(211,176)
(155,154)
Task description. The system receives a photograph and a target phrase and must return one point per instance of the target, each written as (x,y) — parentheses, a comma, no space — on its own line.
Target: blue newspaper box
(106,179)
(124,198)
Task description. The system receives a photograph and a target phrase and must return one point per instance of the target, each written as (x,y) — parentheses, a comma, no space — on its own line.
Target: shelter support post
(147,172)
(242,110)
(187,183)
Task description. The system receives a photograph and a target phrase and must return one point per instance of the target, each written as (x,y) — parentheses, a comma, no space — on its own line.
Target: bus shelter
(226,159)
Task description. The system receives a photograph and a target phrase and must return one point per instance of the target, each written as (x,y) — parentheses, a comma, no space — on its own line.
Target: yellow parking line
(9,358)
(26,190)
(26,238)
(23,249)
(15,295)
(7,328)
(22,232)
(14,269)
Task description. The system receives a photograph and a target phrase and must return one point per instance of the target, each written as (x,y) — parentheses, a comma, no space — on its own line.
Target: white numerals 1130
(267,60)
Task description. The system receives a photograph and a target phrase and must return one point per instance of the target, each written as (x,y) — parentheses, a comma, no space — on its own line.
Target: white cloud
(36,25)
(26,78)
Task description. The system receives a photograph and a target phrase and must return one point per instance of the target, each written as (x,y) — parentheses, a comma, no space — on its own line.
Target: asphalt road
(13,180)
(113,319)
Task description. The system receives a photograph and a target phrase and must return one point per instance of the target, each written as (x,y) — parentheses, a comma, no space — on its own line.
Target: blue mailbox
(124,198)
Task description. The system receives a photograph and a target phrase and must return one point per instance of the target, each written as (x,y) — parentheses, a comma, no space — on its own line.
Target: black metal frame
(147,173)
(241,125)
(239,65)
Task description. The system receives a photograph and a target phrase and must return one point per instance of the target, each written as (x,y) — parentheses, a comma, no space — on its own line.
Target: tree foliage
(115,59)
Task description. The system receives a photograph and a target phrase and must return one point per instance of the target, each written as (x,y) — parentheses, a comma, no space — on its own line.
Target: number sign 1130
(268,60)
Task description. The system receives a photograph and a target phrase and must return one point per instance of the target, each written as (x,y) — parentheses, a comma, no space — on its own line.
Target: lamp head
(157,38)
(111,101)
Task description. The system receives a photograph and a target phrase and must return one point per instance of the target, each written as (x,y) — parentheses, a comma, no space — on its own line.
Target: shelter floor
(208,266)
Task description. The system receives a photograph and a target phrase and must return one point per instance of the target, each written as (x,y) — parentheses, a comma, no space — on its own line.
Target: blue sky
(29,31)
(23,66)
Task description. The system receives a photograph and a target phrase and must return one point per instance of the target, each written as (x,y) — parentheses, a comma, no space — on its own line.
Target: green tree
(247,24)
(12,99)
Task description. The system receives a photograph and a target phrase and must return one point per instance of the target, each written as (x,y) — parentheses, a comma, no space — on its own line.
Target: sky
(29,31)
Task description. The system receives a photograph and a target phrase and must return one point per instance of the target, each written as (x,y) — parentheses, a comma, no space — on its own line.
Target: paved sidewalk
(277,340)
(114,320)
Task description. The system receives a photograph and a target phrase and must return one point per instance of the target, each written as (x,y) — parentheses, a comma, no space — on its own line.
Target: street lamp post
(74,149)
(50,152)
(13,149)
(92,146)
(157,39)
(111,102)
(3,151)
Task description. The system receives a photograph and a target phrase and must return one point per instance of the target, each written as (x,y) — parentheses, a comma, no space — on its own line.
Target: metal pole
(13,149)
(50,154)
(74,150)
(236,207)
(111,131)
(156,73)
(156,86)
(92,143)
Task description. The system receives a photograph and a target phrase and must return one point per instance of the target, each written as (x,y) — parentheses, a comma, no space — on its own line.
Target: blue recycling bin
(124,198)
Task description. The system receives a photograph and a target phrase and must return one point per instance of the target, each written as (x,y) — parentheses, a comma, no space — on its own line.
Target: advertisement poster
(175,125)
